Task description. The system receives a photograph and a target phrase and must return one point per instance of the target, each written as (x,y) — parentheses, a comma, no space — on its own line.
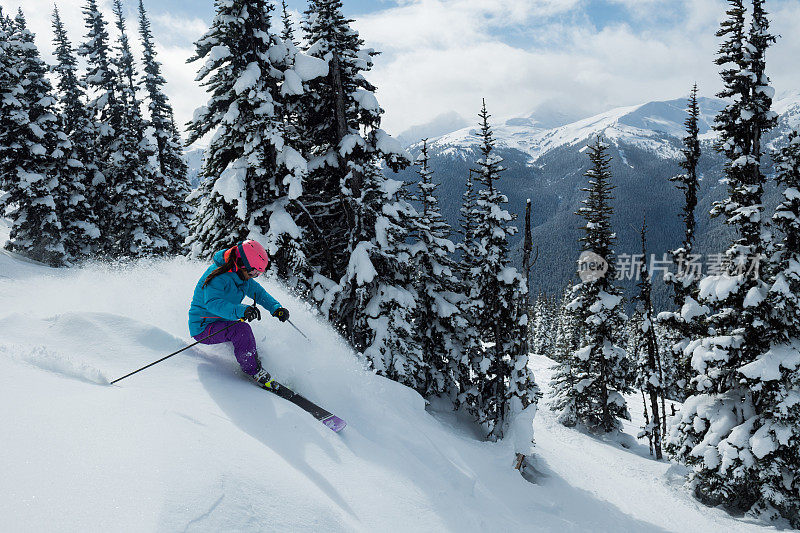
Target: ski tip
(335,423)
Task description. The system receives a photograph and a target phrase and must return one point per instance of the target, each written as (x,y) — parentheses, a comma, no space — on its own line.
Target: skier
(217,304)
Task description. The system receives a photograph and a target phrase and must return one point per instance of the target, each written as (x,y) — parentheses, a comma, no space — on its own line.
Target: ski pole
(176,353)
(298,329)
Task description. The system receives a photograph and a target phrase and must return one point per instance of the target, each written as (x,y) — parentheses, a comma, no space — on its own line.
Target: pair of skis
(330,420)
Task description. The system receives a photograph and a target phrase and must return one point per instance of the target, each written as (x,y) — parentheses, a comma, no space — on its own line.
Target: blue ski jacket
(222,298)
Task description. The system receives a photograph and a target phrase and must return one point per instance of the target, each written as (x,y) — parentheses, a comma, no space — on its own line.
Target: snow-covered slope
(621,471)
(787,105)
(191,445)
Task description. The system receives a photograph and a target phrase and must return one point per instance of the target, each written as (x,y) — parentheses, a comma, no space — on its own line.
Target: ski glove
(281,314)
(252,313)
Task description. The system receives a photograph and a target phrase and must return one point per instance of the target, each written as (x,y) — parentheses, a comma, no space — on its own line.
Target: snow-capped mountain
(547,164)
(651,126)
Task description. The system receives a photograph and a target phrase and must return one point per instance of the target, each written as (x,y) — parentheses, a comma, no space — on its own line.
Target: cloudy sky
(439,56)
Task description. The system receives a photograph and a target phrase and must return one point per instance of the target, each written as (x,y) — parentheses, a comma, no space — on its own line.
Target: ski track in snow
(191,445)
(44,358)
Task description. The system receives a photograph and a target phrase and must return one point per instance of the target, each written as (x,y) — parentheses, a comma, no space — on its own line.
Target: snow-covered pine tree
(544,325)
(688,321)
(552,307)
(716,432)
(470,370)
(775,375)
(375,301)
(565,330)
(599,363)
(340,121)
(250,175)
(77,210)
(437,320)
(633,334)
(172,184)
(30,159)
(132,172)
(538,318)
(294,269)
(649,377)
(501,321)
(8,103)
(101,85)
(663,342)
(287,33)
(564,381)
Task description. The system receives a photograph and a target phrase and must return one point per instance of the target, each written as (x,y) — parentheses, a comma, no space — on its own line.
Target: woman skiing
(217,304)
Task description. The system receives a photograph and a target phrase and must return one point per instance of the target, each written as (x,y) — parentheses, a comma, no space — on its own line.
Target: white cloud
(442,55)
(446,54)
(169,28)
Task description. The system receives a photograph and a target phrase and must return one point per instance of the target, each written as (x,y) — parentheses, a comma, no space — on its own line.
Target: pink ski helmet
(253,256)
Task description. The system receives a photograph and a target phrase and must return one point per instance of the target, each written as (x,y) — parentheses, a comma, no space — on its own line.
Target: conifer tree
(78,197)
(649,378)
(343,140)
(717,432)
(251,174)
(564,382)
(544,326)
(527,264)
(599,363)
(100,84)
(775,374)
(375,301)
(437,319)
(132,174)
(498,288)
(29,160)
(9,84)
(172,183)
(355,212)
(287,33)
(470,369)
(687,322)
(538,324)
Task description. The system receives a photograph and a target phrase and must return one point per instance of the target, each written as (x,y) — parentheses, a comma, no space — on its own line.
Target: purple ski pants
(244,343)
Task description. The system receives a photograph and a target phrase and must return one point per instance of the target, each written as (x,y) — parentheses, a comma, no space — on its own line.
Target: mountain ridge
(648,120)
(548,166)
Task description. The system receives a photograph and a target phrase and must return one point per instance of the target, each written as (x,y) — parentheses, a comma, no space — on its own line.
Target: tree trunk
(341,118)
(526,267)
(652,355)
(647,429)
